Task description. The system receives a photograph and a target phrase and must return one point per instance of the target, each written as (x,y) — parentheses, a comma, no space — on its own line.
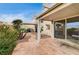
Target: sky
(73,25)
(24,11)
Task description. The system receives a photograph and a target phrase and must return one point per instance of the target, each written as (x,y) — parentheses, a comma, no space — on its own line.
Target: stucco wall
(28,26)
(46,31)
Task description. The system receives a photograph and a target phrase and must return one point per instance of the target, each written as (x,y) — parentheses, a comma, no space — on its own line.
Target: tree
(71,31)
(17,23)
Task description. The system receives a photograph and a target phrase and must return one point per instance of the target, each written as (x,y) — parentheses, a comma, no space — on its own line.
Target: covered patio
(64,40)
(60,16)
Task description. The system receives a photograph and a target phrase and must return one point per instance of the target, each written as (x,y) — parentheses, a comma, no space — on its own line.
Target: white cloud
(11,17)
(48,4)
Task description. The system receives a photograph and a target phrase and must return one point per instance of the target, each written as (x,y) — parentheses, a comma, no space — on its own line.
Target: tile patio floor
(47,46)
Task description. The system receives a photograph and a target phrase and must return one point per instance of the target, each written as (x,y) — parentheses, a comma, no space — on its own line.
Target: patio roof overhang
(61,11)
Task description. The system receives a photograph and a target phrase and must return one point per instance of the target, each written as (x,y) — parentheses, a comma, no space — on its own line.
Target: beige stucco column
(38,30)
(52,29)
(65,28)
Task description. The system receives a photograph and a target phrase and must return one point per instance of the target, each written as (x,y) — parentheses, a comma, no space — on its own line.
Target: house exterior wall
(46,27)
(45,24)
(28,26)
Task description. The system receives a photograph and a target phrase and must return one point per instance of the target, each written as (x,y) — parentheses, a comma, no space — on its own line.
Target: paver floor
(47,46)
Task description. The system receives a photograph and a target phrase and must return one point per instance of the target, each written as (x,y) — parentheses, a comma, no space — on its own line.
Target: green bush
(8,40)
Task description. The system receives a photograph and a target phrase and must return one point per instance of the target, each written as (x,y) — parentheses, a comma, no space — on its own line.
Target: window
(73,29)
(48,26)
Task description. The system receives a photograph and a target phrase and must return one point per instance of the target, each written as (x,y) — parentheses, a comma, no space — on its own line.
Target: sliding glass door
(70,31)
(73,29)
(59,29)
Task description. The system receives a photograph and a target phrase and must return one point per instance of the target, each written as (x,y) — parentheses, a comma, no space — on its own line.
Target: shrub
(8,40)
(22,33)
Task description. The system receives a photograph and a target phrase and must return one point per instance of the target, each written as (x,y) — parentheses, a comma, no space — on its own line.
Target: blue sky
(24,11)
